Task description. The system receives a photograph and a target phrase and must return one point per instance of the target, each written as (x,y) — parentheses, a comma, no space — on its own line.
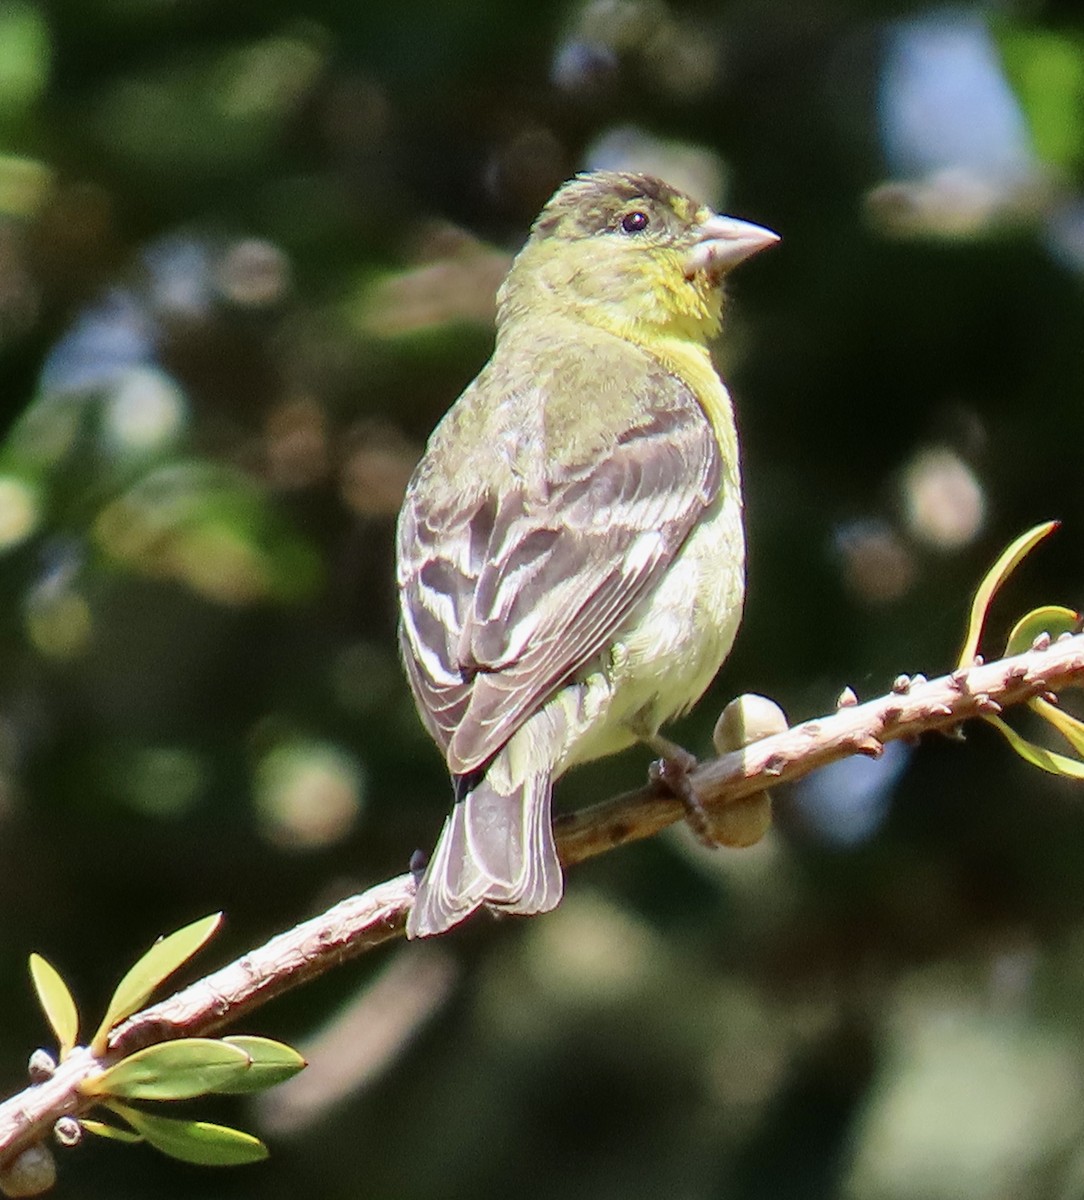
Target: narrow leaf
(1065,723)
(195,1141)
(994,578)
(1051,619)
(272,1062)
(160,961)
(173,1070)
(1038,756)
(56,1002)
(113,1132)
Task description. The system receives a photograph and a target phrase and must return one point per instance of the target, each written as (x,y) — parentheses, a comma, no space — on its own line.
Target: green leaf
(1067,725)
(56,1002)
(994,578)
(272,1062)
(113,1132)
(1038,756)
(195,1141)
(172,1071)
(1051,619)
(160,961)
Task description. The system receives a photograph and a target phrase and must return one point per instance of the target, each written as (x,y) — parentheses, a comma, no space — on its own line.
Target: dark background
(247,259)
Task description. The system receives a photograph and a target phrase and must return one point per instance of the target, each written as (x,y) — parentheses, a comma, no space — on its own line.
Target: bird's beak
(724,242)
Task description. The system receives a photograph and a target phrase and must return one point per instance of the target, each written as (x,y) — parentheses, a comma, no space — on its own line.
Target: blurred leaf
(455,290)
(1046,68)
(56,1002)
(24,56)
(20,510)
(160,961)
(58,619)
(1067,725)
(1051,619)
(113,1132)
(195,1141)
(223,109)
(174,1070)
(211,528)
(272,1062)
(46,432)
(24,184)
(308,793)
(994,578)
(1038,756)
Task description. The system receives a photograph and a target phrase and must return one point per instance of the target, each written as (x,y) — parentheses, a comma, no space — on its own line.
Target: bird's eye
(634,222)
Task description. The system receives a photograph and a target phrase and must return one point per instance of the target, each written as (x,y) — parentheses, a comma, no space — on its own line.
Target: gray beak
(725,242)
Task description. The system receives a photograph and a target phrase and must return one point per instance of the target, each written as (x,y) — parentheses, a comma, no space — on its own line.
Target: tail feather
(495,849)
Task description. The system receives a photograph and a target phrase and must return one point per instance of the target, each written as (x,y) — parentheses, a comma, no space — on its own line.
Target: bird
(570,548)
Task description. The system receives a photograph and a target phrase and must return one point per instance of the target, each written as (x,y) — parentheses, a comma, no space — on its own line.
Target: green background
(247,259)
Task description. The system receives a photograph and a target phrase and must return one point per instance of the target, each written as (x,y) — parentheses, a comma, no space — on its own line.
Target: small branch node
(987,704)
(773,764)
(846,698)
(901,685)
(68,1132)
(1042,642)
(42,1066)
(869,745)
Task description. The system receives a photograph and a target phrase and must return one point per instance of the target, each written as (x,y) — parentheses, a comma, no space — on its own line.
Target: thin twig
(363,922)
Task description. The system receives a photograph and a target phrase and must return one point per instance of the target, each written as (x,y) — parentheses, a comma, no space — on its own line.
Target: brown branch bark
(363,922)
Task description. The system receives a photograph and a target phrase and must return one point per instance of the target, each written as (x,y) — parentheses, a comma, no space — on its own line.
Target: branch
(362,922)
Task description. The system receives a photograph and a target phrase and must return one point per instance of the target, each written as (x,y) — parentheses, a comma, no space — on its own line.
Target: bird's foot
(671,771)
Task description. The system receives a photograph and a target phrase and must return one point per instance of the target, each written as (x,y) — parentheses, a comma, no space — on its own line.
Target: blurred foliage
(247,258)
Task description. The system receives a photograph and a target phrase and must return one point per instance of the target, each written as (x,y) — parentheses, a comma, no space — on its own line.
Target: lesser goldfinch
(570,552)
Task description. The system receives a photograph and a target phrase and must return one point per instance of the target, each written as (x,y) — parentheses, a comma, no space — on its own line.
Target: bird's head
(630,253)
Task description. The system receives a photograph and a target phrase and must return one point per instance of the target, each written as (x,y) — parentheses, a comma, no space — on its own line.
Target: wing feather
(509,591)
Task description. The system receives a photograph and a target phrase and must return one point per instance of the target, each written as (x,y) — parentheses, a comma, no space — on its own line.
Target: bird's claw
(419,860)
(672,772)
